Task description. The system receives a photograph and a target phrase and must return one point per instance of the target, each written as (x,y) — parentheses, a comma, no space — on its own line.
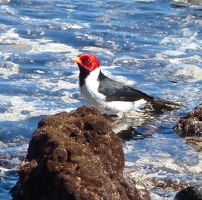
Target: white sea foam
(37,106)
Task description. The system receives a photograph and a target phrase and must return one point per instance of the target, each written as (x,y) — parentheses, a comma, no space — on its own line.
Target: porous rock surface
(190,127)
(76,156)
(191,124)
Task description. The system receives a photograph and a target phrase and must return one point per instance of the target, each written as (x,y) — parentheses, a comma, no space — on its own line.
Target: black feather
(82,76)
(120,91)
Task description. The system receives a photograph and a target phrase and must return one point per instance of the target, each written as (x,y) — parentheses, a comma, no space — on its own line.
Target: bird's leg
(113,119)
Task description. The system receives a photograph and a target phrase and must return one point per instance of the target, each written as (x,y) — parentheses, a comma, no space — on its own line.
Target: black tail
(160,106)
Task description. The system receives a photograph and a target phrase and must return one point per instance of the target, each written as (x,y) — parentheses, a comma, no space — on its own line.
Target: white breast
(90,93)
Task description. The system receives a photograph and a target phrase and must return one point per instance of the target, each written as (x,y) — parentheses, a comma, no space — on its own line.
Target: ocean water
(154,45)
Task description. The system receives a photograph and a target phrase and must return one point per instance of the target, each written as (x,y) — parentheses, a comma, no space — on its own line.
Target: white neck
(89,90)
(93,76)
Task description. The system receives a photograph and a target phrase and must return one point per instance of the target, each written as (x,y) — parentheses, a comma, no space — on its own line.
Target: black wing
(120,91)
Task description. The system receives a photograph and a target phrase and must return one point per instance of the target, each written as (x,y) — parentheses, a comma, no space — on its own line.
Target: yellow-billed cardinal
(109,96)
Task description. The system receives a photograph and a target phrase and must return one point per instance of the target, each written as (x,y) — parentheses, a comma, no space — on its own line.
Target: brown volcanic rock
(75,156)
(191,125)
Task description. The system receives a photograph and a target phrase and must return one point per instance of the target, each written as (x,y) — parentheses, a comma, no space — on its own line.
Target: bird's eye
(88,60)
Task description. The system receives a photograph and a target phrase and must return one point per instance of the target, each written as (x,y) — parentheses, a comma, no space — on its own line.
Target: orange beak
(77,60)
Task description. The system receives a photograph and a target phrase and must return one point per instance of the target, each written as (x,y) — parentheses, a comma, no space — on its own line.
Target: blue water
(154,45)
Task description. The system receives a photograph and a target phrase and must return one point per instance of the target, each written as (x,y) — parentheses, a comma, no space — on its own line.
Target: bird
(112,97)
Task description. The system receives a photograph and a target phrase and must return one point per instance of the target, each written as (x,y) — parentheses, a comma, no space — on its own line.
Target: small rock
(191,125)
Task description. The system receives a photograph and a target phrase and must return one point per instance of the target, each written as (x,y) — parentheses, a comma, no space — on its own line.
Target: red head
(87,61)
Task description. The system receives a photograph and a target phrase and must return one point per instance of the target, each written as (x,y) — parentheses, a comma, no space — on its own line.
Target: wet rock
(191,125)
(76,156)
(195,142)
(190,193)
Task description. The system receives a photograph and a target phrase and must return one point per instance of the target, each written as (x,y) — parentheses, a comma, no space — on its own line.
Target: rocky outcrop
(190,127)
(76,156)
